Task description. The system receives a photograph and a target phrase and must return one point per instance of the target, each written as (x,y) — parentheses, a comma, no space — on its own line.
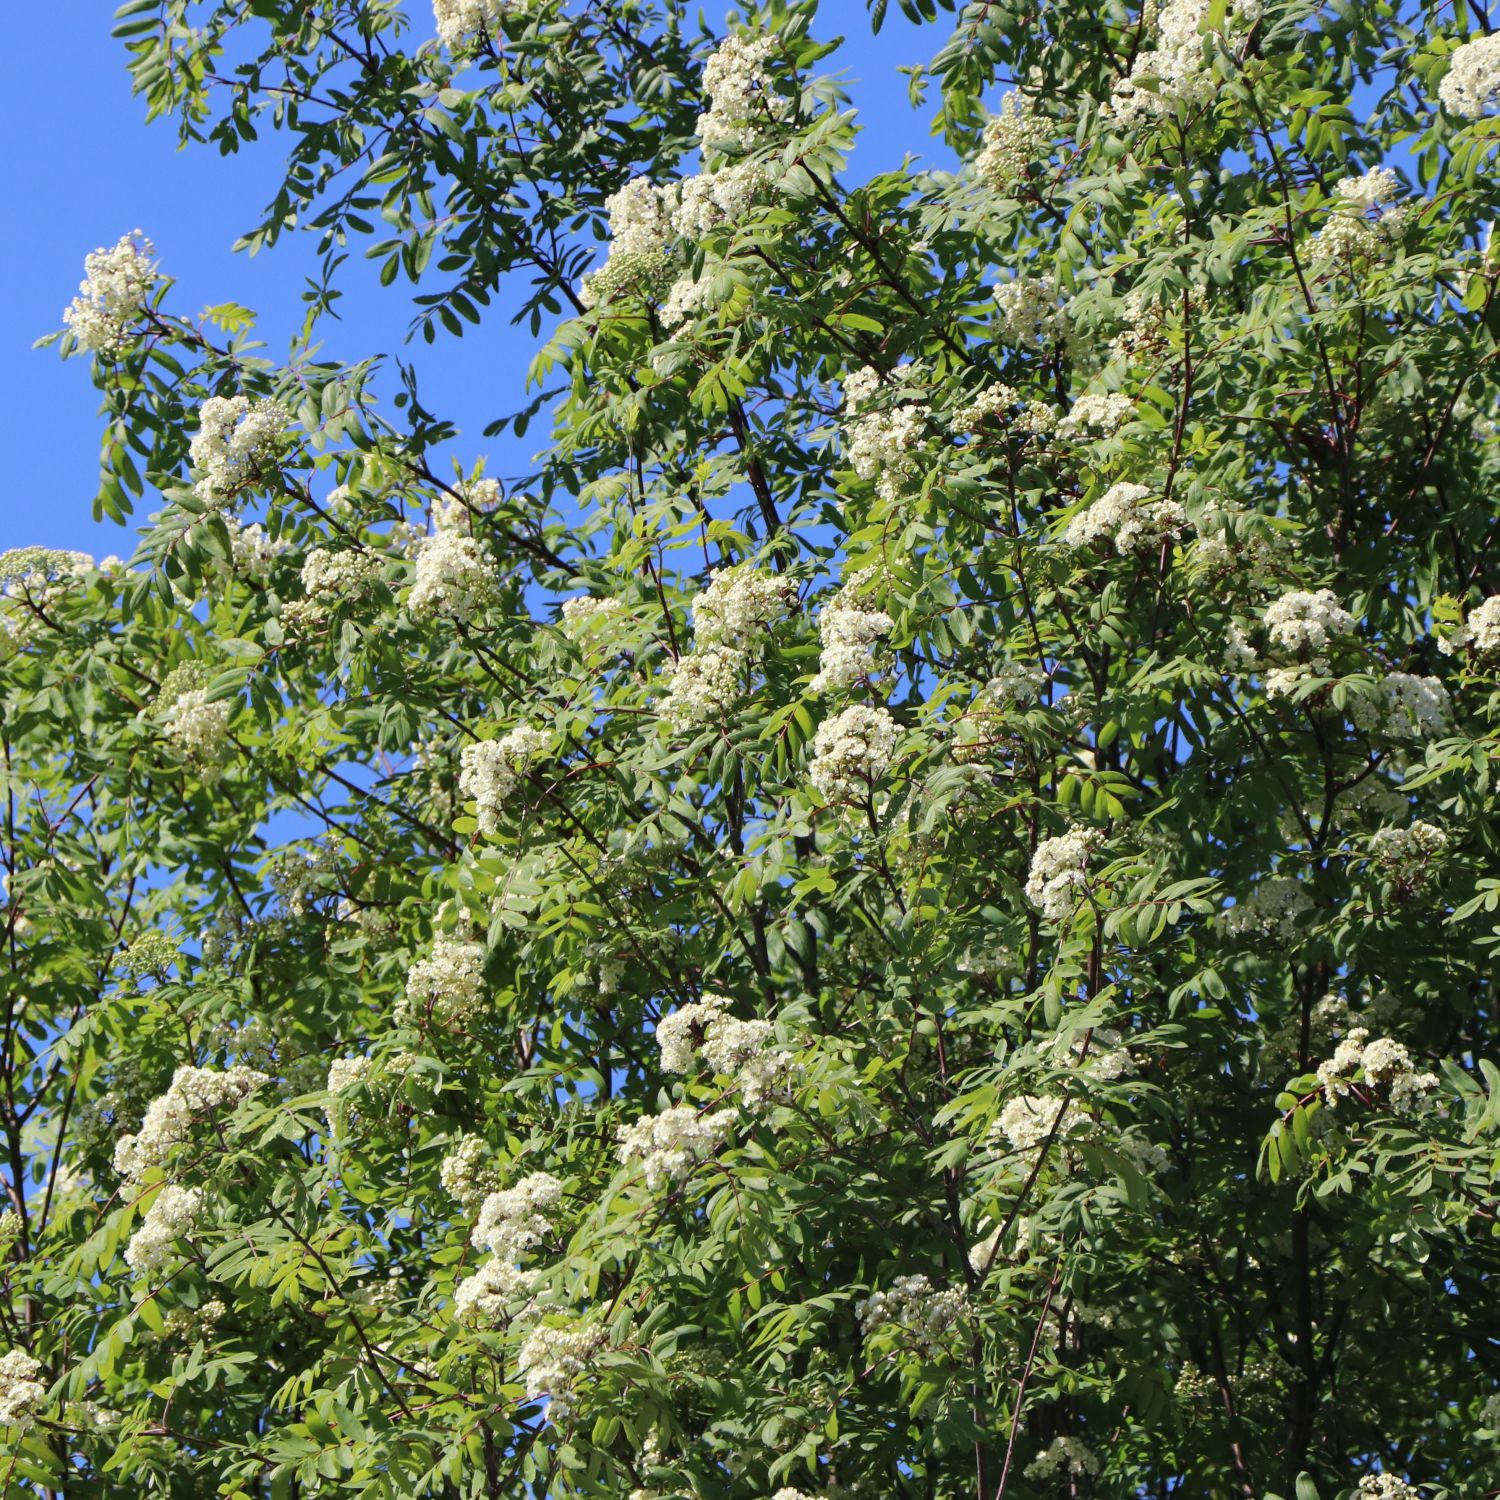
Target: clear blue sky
(86,169)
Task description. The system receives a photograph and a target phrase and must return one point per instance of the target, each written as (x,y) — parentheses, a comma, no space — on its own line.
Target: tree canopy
(911,910)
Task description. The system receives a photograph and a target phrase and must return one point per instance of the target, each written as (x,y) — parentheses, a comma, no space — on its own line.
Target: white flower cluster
(1029,1120)
(511,1220)
(640,228)
(731,617)
(490,771)
(678,1034)
(1015,684)
(994,401)
(742,106)
(584,613)
(733,1048)
(1013,140)
(448,985)
(235,443)
(671,1144)
(1406,852)
(343,1073)
(1177,64)
(709,200)
(173,1213)
(21,1393)
(852,751)
(487,1296)
(1349,232)
(1410,707)
(470,498)
(1127,516)
(1385,1063)
(455,577)
(924,1315)
(1472,82)
(1029,315)
(169,1118)
(737,607)
(1306,624)
(466,1173)
(197,729)
(1271,909)
(552,1359)
(115,286)
(702,684)
(850,632)
(457,19)
(329,579)
(1064,1455)
(883,445)
(1481,629)
(252,549)
(1097,415)
(1058,877)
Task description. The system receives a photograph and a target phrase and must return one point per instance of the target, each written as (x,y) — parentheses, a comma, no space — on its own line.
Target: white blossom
(1472,82)
(236,443)
(1129,518)
(852,751)
(1306,624)
(912,1304)
(1029,1120)
(1029,315)
(1270,909)
(1177,62)
(455,577)
(850,632)
(1013,140)
(742,106)
(485,1298)
(197,728)
(676,1033)
(1058,878)
(1064,1455)
(466,1174)
(702,684)
(491,771)
(1406,852)
(173,1213)
(710,200)
(21,1393)
(737,607)
(1384,1064)
(1410,707)
(994,401)
(169,1118)
(1481,630)
(671,1144)
(116,285)
(1098,415)
(448,985)
(552,1359)
(511,1220)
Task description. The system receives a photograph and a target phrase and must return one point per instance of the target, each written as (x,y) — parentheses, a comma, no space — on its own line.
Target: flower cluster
(924,1315)
(455,577)
(447,986)
(173,1214)
(671,1144)
(1472,82)
(252,550)
(742,105)
(457,19)
(236,443)
(1097,415)
(1481,629)
(490,771)
(552,1359)
(709,200)
(1177,63)
(703,684)
(1029,315)
(1066,1455)
(733,1048)
(197,728)
(852,751)
(850,632)
(1409,707)
(1383,1064)
(1058,878)
(487,1296)
(466,1173)
(1349,232)
(1406,852)
(1127,517)
(1029,1120)
(680,1034)
(511,1221)
(116,284)
(1306,624)
(1013,140)
(738,605)
(343,1073)
(883,444)
(21,1393)
(169,1119)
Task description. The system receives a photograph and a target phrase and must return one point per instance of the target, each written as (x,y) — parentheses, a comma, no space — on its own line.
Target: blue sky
(91,170)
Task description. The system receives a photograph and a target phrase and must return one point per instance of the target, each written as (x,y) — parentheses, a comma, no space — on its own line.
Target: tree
(912,913)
